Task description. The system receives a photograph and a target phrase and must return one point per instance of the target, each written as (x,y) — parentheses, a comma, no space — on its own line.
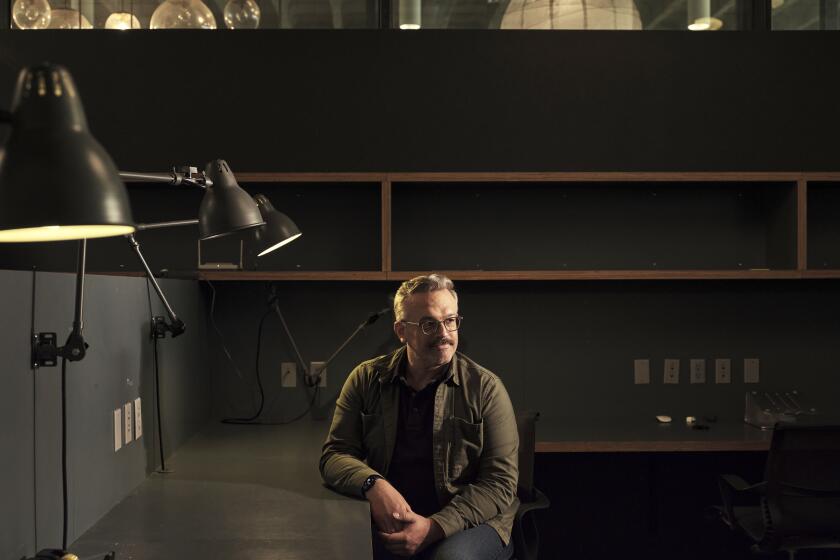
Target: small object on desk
(690,420)
(663,419)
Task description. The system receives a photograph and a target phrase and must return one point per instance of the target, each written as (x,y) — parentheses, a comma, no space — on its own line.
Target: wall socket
(723,370)
(751,370)
(317,368)
(698,370)
(138,419)
(129,433)
(118,429)
(672,371)
(641,372)
(288,374)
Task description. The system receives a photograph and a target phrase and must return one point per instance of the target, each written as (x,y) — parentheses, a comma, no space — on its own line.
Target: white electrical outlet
(118,428)
(288,374)
(751,370)
(723,370)
(129,434)
(641,372)
(138,419)
(318,369)
(672,371)
(698,370)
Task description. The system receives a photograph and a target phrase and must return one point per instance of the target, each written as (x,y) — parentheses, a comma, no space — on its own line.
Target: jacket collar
(389,370)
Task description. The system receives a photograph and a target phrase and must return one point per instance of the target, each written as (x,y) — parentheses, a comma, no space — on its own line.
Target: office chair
(526,538)
(800,496)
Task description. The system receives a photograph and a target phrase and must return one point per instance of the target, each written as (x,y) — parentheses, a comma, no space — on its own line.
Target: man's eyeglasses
(430,326)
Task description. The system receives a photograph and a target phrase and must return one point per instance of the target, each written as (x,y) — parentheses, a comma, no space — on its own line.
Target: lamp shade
(226,208)
(278,230)
(56,181)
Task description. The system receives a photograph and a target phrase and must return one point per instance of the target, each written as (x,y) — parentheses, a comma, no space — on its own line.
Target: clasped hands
(402,531)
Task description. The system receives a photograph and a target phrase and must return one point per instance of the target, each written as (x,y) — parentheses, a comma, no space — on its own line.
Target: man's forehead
(437,301)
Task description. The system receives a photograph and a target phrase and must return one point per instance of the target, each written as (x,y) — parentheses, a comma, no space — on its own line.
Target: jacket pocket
(467,439)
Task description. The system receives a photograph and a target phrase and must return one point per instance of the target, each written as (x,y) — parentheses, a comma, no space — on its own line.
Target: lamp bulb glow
(31,14)
(122,21)
(183,14)
(242,14)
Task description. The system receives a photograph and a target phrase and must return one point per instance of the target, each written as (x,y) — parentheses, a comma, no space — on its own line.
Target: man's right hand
(385,501)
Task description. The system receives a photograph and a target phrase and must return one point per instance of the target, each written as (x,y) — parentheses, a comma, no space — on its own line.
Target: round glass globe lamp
(183,14)
(122,21)
(31,14)
(242,14)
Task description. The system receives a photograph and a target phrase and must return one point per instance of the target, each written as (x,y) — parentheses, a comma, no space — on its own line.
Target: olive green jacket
(474,438)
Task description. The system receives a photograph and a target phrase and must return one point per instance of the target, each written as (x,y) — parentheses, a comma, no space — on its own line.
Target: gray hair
(421,284)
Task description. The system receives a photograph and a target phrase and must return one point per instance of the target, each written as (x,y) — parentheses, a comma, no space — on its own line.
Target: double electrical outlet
(128,423)
(288,374)
(697,371)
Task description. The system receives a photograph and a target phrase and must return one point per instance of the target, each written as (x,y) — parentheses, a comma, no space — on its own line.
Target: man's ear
(399,330)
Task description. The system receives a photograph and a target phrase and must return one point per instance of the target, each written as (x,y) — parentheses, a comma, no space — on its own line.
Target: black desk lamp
(58,183)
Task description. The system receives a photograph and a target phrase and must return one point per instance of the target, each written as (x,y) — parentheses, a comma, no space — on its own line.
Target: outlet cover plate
(672,371)
(129,433)
(288,374)
(698,370)
(118,428)
(138,419)
(751,370)
(641,372)
(723,370)
(317,368)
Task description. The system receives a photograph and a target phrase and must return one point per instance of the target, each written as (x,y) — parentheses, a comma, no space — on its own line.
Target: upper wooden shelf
(240,275)
(552,176)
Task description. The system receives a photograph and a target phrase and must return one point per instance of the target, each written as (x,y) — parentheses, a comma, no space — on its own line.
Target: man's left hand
(417,533)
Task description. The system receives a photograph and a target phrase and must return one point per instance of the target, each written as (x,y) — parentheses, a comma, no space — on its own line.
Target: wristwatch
(369,482)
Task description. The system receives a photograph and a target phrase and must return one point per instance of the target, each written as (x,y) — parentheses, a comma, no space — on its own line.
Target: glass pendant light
(242,14)
(122,21)
(31,14)
(183,14)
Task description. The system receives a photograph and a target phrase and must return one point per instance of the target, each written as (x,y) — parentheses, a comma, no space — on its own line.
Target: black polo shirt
(411,470)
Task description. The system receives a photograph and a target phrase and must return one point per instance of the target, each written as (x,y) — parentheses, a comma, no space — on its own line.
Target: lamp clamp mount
(160,327)
(46,352)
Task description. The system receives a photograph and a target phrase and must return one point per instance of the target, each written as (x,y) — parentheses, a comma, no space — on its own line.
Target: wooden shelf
(489,275)
(608,274)
(314,275)
(788,263)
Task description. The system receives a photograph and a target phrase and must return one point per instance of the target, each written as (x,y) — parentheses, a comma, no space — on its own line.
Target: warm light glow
(62,233)
(31,14)
(122,21)
(278,245)
(409,26)
(705,24)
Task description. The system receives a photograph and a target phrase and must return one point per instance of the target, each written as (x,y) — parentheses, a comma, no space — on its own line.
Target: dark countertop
(647,435)
(250,492)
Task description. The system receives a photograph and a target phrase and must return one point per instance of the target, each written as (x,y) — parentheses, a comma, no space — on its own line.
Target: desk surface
(647,436)
(237,492)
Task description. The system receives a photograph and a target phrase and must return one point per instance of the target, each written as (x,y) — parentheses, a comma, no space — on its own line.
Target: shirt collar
(395,367)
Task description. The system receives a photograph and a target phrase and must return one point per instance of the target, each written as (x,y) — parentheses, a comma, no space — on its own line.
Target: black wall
(451,100)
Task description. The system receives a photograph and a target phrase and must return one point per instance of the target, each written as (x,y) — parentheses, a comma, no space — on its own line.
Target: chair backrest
(802,499)
(525,425)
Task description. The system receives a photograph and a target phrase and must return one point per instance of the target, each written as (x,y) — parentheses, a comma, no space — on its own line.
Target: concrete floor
(236,492)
